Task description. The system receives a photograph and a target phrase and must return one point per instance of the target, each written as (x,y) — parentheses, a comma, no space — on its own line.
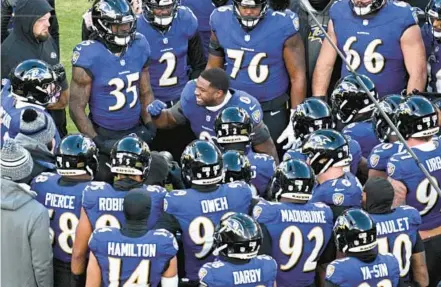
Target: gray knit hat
(37,125)
(16,162)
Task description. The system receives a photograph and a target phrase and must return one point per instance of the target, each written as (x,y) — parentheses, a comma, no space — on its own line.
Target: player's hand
(60,72)
(288,134)
(155,108)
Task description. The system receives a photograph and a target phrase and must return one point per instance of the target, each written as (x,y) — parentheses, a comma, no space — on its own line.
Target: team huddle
(220,89)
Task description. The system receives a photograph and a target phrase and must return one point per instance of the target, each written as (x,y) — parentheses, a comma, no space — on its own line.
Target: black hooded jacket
(21,44)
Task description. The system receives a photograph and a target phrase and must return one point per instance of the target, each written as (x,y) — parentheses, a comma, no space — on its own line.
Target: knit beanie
(16,162)
(37,125)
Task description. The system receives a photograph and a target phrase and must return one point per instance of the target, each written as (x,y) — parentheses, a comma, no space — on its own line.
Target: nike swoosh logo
(274,113)
(252,107)
(339,189)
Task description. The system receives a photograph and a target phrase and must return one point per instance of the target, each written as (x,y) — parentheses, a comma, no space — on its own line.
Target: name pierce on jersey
(247,276)
(393,226)
(214,205)
(302,216)
(121,249)
(60,201)
(375,271)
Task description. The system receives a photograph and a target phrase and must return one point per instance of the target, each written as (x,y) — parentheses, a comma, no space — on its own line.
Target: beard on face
(42,36)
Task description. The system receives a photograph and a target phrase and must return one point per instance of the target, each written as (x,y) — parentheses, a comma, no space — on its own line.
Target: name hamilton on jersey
(131,250)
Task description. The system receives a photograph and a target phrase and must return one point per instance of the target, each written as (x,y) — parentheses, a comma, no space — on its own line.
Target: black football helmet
(417,117)
(218,3)
(236,166)
(238,236)
(168,8)
(36,82)
(433,12)
(311,115)
(389,105)
(249,22)
(108,15)
(355,231)
(350,102)
(374,6)
(130,155)
(76,155)
(201,164)
(233,125)
(293,179)
(326,148)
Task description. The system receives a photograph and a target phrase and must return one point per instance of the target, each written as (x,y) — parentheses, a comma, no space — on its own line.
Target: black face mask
(319,5)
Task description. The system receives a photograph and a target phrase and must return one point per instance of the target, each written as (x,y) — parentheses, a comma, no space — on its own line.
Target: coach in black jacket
(30,39)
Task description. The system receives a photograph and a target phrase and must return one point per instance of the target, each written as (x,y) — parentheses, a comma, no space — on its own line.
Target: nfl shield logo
(165,41)
(207,118)
(53,55)
(122,62)
(247,38)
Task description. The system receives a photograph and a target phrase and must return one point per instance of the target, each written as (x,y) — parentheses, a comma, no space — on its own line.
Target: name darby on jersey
(393,226)
(131,250)
(247,276)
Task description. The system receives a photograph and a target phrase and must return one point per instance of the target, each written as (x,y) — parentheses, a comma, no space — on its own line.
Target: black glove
(104,146)
(147,132)
(78,280)
(60,72)
(174,176)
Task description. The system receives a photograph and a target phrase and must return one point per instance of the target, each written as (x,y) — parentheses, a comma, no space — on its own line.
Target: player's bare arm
(414,54)
(166,119)
(294,57)
(80,247)
(169,277)
(215,56)
(419,268)
(325,64)
(267,147)
(145,94)
(80,87)
(400,192)
(62,101)
(93,272)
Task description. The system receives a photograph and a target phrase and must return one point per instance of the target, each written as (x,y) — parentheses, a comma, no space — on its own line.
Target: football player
(299,230)
(62,193)
(314,114)
(328,154)
(263,54)
(237,240)
(203,99)
(237,167)
(354,110)
(195,211)
(203,10)
(110,74)
(358,28)
(397,230)
(356,236)
(103,203)
(133,255)
(234,131)
(389,145)
(33,83)
(417,121)
(431,32)
(171,31)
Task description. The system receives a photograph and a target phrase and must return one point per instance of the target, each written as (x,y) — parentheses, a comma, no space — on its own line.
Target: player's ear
(219,95)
